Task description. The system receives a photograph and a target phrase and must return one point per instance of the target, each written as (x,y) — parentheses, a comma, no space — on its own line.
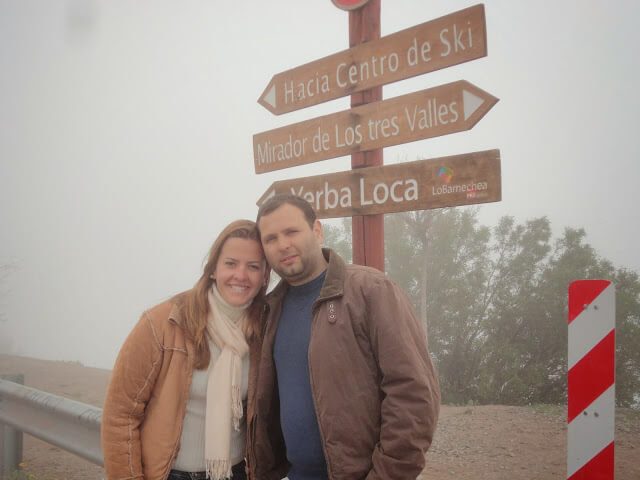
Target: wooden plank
(456,180)
(446,41)
(433,112)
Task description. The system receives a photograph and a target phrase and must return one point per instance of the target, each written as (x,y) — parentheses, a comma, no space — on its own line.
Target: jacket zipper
(313,393)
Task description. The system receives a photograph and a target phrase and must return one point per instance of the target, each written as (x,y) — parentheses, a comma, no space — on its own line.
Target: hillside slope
(477,442)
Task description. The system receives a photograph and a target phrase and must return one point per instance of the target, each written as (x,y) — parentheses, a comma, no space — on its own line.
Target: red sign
(591,383)
(349,4)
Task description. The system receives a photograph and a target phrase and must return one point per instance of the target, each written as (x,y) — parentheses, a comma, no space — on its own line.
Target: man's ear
(317,230)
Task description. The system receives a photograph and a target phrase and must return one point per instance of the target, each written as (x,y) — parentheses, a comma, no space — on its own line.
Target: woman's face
(240,271)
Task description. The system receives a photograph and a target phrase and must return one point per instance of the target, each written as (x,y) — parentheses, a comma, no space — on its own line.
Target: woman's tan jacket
(147,396)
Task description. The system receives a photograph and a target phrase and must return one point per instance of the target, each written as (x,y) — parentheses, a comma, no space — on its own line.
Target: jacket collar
(177,311)
(334,281)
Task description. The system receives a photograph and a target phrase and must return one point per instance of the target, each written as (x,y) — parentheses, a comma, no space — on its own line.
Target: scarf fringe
(218,469)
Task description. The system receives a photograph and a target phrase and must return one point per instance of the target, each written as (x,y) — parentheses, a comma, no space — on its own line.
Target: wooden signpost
(449,108)
(440,43)
(441,182)
(367,231)
(370,189)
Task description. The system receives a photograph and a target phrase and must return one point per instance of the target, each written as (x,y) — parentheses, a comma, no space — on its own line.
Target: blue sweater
(297,412)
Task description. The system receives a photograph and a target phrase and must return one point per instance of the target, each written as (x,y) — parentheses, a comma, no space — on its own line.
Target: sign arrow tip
(471,103)
(266,196)
(270,96)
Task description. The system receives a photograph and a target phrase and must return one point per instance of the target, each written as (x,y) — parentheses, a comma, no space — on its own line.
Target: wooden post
(367,230)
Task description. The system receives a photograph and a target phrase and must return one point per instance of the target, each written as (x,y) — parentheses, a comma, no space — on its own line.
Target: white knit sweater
(190,457)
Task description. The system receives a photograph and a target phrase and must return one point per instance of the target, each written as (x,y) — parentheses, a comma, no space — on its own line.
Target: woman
(174,402)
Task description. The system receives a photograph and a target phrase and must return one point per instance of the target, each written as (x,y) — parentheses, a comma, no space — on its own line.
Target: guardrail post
(10,438)
(591,382)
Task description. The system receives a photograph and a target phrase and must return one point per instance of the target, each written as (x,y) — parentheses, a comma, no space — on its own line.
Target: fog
(126,140)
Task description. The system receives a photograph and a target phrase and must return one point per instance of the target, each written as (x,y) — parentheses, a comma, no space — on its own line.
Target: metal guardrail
(65,423)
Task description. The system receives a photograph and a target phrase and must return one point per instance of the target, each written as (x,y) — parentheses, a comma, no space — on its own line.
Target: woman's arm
(132,381)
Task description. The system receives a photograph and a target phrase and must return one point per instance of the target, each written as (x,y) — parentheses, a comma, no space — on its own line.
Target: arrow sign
(442,182)
(455,38)
(449,108)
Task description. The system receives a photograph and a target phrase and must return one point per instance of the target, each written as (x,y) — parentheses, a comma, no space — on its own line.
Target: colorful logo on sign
(445,174)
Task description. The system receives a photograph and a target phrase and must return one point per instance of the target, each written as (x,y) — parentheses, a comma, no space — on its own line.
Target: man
(345,388)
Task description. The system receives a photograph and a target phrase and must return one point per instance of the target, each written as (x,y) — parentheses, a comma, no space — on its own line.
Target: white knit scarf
(225,325)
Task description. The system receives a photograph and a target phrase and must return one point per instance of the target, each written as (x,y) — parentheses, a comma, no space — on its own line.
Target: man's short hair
(277,201)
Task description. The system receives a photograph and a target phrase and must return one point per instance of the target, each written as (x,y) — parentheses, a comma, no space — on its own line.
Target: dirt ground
(476,442)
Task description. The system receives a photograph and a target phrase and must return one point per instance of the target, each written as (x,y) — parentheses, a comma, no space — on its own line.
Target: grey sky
(125,139)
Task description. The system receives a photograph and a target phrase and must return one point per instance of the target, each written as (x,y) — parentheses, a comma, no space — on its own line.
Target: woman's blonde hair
(196,305)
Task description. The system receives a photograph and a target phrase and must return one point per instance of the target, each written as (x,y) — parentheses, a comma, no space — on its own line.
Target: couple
(331,368)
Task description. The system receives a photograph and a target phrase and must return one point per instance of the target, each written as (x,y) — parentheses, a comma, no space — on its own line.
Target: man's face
(291,246)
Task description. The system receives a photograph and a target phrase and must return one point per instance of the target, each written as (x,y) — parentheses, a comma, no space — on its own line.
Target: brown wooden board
(449,108)
(422,185)
(446,41)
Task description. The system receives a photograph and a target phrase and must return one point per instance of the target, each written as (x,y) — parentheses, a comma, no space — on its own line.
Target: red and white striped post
(591,382)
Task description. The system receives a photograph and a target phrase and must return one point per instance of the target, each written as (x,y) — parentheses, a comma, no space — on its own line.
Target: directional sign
(449,108)
(440,43)
(442,182)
